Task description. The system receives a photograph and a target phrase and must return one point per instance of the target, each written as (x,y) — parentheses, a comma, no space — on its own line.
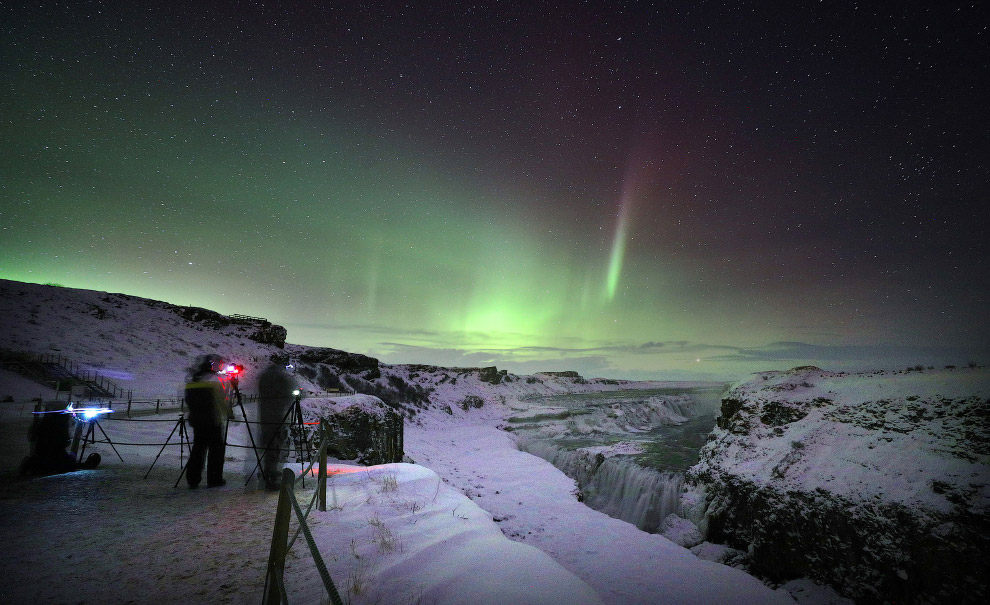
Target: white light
(296,392)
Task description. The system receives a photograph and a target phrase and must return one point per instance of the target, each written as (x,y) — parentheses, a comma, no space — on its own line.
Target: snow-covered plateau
(469,517)
(876,482)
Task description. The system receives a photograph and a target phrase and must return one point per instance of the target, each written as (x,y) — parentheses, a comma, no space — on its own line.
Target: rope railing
(107,441)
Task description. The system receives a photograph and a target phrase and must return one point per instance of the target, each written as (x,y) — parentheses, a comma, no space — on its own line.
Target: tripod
(180,426)
(240,403)
(90,437)
(297,432)
(299,437)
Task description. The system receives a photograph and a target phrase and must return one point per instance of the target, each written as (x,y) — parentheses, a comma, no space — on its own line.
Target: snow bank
(402,535)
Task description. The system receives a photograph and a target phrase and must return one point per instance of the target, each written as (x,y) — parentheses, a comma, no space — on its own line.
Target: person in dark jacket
(275,388)
(49,436)
(208,412)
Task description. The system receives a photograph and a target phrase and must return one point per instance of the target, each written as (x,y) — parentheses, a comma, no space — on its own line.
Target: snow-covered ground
(473,520)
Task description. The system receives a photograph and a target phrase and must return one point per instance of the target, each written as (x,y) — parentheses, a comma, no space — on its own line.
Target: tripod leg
(302,431)
(268,446)
(250,436)
(177,424)
(184,441)
(183,437)
(302,438)
(87,439)
(181,474)
(108,441)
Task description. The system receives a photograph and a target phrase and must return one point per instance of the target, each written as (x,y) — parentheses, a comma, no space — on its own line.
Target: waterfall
(617,485)
(570,434)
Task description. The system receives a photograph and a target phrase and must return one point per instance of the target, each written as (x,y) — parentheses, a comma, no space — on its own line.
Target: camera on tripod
(231,370)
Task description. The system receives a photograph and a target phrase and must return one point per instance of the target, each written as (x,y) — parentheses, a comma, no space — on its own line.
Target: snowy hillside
(143,345)
(877,482)
(146,346)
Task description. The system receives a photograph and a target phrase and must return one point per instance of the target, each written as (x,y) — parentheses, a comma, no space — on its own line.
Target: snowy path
(110,536)
(534,503)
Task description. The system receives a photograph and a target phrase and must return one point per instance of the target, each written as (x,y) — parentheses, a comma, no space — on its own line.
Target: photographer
(49,436)
(208,411)
(275,388)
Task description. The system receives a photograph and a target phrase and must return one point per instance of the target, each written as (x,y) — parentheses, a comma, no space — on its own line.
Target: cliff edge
(875,483)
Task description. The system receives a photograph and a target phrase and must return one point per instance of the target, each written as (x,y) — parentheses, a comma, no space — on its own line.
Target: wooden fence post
(321,483)
(280,540)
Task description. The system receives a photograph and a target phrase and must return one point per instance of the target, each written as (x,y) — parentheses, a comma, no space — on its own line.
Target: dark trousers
(208,445)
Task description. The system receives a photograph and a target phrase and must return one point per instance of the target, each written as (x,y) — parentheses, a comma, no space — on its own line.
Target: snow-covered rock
(680,531)
(877,484)
(359,427)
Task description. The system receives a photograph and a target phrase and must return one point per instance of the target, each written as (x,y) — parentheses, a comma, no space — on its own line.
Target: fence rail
(247,318)
(275,575)
(53,369)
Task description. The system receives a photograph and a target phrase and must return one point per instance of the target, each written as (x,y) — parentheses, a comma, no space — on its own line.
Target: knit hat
(203,365)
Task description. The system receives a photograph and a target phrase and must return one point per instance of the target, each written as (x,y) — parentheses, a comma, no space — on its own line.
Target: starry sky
(685,190)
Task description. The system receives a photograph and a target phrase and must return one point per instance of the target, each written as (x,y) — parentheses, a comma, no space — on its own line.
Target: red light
(232,369)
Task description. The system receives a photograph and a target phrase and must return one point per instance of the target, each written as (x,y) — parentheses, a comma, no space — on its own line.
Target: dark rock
(491,375)
(730,418)
(208,318)
(776,413)
(351,363)
(370,434)
(873,553)
(471,401)
(269,334)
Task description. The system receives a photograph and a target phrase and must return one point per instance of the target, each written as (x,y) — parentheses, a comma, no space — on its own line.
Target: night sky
(691,190)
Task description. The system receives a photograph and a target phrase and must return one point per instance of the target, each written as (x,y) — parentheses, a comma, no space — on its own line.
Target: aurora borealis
(698,190)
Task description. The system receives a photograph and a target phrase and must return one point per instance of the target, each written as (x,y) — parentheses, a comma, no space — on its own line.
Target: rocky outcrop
(351,363)
(269,334)
(360,427)
(265,332)
(564,374)
(877,484)
(492,375)
(208,318)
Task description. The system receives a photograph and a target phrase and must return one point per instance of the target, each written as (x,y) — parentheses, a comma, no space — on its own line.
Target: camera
(233,370)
